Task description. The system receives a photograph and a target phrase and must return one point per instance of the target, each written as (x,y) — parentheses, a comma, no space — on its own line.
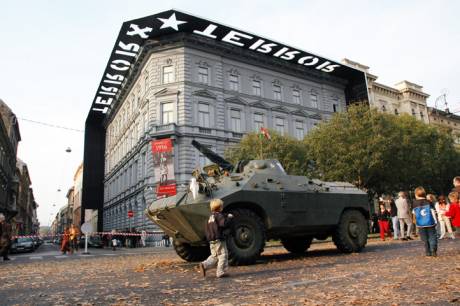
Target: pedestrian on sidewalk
(113,240)
(404,216)
(166,240)
(73,238)
(454,212)
(65,241)
(444,222)
(214,230)
(394,218)
(384,221)
(5,237)
(425,218)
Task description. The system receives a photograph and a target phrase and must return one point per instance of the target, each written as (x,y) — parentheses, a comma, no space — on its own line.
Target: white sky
(53,54)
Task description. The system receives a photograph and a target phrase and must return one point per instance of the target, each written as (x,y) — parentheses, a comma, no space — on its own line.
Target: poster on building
(163,167)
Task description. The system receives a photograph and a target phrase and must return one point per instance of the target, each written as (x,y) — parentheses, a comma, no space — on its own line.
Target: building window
(314,100)
(299,131)
(167,113)
(296,96)
(168,74)
(413,112)
(384,109)
(233,82)
(396,112)
(258,121)
(279,125)
(203,75)
(203,115)
(277,92)
(422,116)
(256,88)
(235,120)
(334,108)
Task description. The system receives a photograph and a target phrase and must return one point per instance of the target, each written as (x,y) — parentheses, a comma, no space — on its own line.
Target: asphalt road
(385,273)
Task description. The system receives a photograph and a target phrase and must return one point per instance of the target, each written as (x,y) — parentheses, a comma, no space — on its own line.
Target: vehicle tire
(351,232)
(189,252)
(247,240)
(297,245)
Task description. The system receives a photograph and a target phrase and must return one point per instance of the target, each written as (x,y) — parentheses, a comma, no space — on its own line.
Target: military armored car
(266,203)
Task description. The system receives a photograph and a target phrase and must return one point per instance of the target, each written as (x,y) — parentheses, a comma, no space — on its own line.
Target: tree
(382,153)
(290,152)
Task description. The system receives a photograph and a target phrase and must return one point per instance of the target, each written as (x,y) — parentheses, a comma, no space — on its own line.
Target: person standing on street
(404,216)
(5,237)
(394,218)
(73,238)
(454,212)
(384,221)
(425,220)
(65,241)
(456,182)
(441,208)
(214,230)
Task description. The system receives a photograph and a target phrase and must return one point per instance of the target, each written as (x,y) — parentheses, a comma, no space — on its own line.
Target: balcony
(237,135)
(165,130)
(203,130)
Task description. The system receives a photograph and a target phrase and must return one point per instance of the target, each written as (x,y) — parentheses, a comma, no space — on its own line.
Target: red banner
(163,167)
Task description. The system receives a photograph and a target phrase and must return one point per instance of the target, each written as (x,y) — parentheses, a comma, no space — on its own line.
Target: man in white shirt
(404,215)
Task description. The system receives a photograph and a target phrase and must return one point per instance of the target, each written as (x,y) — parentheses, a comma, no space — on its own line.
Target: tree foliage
(378,152)
(383,153)
(290,152)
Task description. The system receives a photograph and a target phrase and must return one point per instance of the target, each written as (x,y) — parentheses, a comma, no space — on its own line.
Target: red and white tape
(95,233)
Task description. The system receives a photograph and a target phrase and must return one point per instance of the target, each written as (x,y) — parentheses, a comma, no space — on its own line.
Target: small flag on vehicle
(264,132)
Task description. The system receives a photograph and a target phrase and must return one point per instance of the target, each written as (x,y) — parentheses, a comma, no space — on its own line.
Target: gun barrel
(212,156)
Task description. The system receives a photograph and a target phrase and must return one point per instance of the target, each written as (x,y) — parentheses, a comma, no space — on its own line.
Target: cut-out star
(171,22)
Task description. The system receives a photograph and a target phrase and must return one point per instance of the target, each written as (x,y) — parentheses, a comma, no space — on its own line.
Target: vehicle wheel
(191,253)
(297,245)
(247,241)
(351,232)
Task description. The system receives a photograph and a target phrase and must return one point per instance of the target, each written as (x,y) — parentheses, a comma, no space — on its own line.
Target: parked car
(93,242)
(22,245)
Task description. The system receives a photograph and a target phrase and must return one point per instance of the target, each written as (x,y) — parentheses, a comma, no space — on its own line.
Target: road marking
(61,256)
(85,255)
(36,257)
(109,254)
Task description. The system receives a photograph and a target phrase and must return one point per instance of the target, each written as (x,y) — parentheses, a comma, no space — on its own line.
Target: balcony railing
(204,130)
(165,127)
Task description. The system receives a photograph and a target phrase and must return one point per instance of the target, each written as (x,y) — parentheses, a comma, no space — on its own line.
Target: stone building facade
(446,120)
(9,179)
(77,186)
(188,87)
(405,97)
(26,218)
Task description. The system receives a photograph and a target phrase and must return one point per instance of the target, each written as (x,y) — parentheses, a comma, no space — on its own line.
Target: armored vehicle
(266,204)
